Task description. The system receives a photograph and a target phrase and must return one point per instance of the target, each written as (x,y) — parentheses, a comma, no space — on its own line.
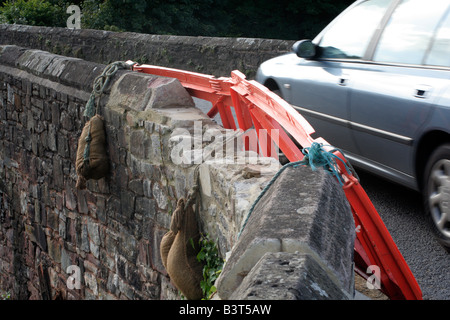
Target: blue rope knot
(317,157)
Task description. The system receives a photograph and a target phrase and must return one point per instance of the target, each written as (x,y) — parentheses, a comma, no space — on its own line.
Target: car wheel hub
(439,196)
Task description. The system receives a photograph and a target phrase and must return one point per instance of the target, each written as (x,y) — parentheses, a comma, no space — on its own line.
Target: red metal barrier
(257,107)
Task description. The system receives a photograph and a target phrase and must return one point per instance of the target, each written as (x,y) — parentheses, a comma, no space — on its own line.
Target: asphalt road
(401,210)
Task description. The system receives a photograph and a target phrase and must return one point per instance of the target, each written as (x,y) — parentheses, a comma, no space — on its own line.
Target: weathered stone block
(52,219)
(66,121)
(127,245)
(289,276)
(72,76)
(146,207)
(137,187)
(304,211)
(112,284)
(54,249)
(81,201)
(144,257)
(57,66)
(137,143)
(84,238)
(72,231)
(141,92)
(35,61)
(101,209)
(58,176)
(160,196)
(94,238)
(37,235)
(127,203)
(10,54)
(70,198)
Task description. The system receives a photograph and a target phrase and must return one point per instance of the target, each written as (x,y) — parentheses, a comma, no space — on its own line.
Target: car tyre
(436,193)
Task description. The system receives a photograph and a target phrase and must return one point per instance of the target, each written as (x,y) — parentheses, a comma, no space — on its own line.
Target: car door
(321,96)
(392,97)
(319,88)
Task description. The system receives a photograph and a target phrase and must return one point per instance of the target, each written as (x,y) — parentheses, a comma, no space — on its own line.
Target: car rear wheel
(437,193)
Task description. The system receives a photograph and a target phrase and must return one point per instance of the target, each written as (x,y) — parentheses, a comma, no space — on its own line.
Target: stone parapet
(112,230)
(304,213)
(210,55)
(107,237)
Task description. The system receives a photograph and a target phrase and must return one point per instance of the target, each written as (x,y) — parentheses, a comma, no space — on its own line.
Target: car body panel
(376,112)
(388,106)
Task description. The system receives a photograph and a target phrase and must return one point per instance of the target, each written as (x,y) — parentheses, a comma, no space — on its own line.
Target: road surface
(402,212)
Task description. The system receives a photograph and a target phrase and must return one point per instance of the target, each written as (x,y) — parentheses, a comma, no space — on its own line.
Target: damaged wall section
(111,230)
(108,235)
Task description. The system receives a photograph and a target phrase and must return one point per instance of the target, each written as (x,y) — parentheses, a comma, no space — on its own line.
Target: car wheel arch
(272,85)
(429,142)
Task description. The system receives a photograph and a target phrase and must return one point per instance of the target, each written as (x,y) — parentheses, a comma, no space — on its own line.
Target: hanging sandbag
(92,160)
(179,248)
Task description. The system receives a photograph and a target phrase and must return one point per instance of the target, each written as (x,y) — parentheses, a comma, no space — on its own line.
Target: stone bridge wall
(112,230)
(209,55)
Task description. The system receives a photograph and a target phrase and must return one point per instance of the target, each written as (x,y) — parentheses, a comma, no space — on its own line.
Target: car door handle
(343,81)
(422,91)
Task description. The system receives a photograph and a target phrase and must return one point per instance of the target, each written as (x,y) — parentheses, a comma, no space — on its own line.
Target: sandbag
(92,160)
(165,245)
(179,248)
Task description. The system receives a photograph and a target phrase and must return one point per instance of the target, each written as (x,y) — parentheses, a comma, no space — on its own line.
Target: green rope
(101,82)
(315,157)
(90,109)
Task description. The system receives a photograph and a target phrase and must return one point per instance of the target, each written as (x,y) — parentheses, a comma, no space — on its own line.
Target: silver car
(376,83)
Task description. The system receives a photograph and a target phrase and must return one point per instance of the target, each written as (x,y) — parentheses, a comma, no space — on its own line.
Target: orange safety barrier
(257,108)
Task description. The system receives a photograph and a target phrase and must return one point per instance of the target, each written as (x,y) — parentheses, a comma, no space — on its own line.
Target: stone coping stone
(288,276)
(303,211)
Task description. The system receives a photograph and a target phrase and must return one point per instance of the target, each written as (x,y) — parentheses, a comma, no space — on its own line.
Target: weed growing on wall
(213,263)
(5,295)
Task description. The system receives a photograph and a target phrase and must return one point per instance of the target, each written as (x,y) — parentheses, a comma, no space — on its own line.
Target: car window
(408,34)
(440,49)
(350,35)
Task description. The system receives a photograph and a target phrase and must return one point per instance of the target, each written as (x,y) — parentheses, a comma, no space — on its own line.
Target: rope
(315,156)
(101,82)
(192,196)
(266,188)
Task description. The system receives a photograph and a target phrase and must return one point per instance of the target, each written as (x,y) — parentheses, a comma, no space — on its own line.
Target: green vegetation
(283,19)
(213,263)
(5,295)
(33,12)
